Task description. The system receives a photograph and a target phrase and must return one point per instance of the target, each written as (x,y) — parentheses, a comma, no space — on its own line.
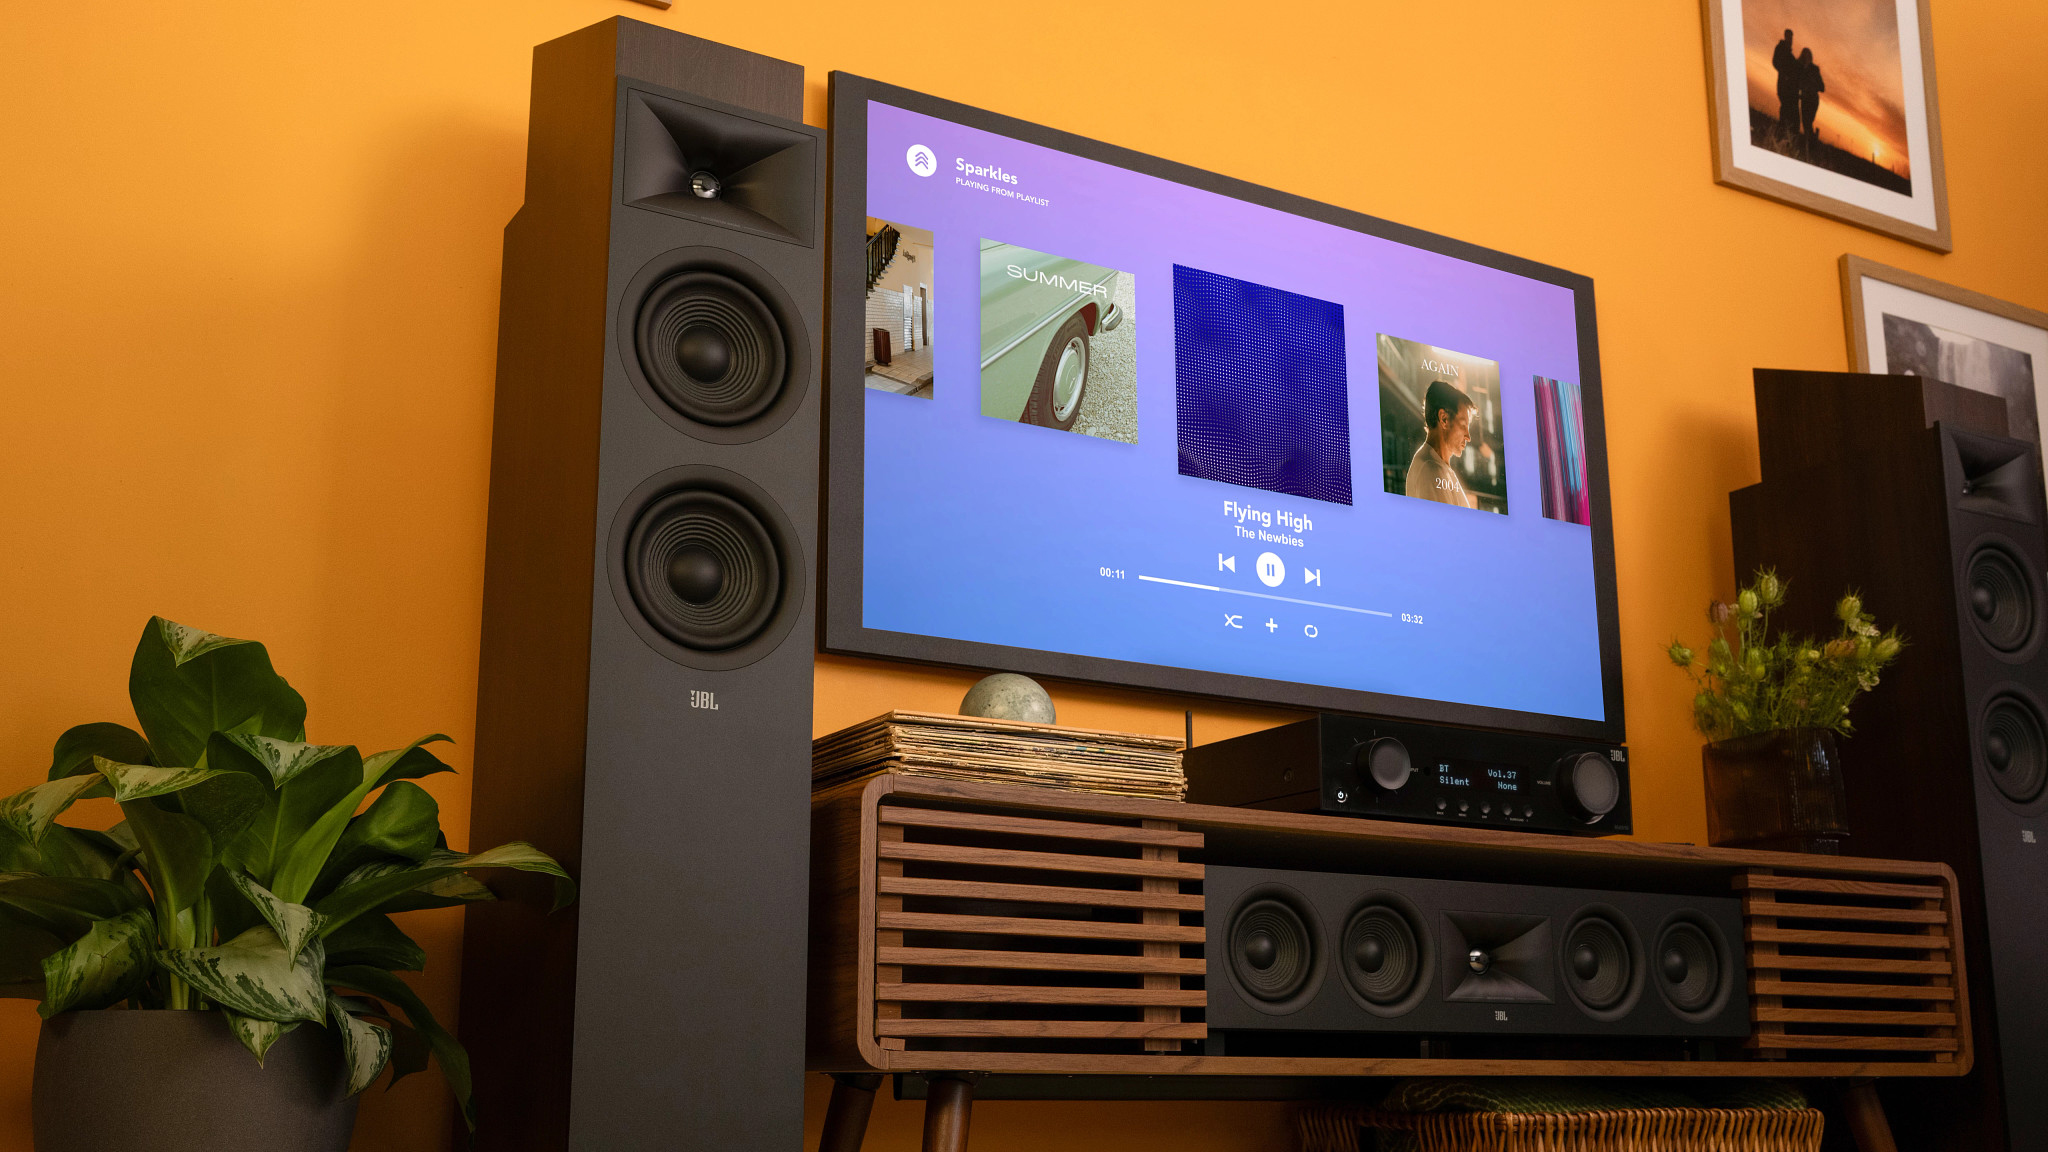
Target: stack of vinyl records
(947,747)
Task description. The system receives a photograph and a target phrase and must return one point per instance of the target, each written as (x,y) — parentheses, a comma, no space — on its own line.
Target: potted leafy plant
(1771,707)
(247,891)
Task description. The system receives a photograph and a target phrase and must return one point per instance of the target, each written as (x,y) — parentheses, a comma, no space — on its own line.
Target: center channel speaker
(1320,952)
(644,693)
(1911,491)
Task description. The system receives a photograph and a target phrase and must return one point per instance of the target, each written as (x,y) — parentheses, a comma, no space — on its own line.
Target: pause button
(1272,570)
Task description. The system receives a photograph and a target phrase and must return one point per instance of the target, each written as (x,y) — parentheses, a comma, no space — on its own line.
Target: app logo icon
(921,160)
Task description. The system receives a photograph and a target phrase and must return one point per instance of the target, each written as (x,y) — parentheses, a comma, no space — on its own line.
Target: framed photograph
(1903,323)
(1828,105)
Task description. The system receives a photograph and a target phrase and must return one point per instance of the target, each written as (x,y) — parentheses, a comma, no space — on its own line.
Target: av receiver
(1359,766)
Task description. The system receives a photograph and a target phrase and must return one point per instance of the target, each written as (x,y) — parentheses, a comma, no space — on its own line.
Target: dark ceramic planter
(1779,790)
(159,1081)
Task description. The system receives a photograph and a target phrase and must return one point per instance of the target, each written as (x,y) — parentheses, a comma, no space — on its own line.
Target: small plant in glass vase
(1770,706)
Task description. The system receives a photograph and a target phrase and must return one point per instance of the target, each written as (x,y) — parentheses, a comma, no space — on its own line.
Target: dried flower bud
(1747,601)
(1719,613)
(1887,648)
(1849,609)
(1840,649)
(1680,654)
(1770,588)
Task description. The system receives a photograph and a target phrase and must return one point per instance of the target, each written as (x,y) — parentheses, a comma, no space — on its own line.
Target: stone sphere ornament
(1008,696)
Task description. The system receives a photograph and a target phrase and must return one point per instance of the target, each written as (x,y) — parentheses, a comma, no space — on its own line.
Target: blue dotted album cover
(1260,392)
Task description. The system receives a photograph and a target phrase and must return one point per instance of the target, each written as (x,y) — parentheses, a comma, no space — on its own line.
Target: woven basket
(1336,1129)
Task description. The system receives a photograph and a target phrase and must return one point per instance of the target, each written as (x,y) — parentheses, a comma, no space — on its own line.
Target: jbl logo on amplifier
(705,700)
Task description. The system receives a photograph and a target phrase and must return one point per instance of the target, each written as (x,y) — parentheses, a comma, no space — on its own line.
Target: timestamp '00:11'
(1112,573)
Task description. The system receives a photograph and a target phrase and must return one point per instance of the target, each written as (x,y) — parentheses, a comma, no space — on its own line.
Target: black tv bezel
(840,627)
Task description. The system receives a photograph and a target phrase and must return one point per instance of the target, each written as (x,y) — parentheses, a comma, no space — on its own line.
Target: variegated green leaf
(408,763)
(302,862)
(142,781)
(295,924)
(187,644)
(254,975)
(75,749)
(447,892)
(373,939)
(366,895)
(389,988)
(284,759)
(255,1035)
(186,684)
(365,1047)
(101,967)
(30,810)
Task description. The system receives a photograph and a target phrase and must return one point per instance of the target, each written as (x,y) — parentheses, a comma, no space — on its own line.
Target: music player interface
(1286,491)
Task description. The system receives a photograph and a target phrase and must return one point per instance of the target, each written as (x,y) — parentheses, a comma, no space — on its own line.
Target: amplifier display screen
(1481,777)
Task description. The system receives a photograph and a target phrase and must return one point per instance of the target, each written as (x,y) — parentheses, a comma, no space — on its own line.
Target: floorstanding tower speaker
(644,698)
(1910,490)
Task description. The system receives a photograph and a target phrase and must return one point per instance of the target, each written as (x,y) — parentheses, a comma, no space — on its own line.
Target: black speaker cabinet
(1291,952)
(1910,490)
(644,695)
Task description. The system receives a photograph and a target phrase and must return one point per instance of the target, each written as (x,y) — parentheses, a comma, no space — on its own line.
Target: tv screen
(1101,416)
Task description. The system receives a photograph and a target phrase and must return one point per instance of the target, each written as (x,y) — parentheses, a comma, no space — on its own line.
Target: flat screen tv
(1099,416)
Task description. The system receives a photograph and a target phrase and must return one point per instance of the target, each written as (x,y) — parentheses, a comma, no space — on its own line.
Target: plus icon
(1270,625)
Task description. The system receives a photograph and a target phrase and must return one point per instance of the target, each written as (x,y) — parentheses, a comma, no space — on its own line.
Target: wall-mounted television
(1099,416)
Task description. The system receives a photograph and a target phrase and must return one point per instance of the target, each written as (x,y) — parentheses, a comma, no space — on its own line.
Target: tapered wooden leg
(846,1118)
(946,1105)
(1865,1114)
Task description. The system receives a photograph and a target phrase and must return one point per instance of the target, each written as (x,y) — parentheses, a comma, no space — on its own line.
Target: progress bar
(1265,596)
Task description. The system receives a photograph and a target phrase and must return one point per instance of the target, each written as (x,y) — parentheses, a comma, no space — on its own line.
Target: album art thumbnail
(1561,441)
(1058,343)
(1440,426)
(899,308)
(1827,86)
(1259,386)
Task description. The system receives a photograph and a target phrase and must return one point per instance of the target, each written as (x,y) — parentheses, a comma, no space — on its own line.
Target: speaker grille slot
(2015,748)
(1271,950)
(1382,957)
(711,348)
(1599,963)
(2000,598)
(703,569)
(1688,967)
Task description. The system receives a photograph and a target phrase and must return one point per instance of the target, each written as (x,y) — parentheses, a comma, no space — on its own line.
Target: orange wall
(249,294)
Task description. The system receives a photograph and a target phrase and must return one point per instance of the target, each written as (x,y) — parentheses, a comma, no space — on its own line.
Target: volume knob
(1385,763)
(1588,785)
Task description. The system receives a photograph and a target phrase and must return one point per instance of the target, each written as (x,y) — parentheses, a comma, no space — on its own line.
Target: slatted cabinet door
(1850,968)
(1012,933)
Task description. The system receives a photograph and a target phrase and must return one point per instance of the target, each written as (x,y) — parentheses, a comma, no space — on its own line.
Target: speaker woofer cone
(1271,950)
(1382,955)
(711,348)
(1688,968)
(1999,598)
(1599,963)
(2014,748)
(703,569)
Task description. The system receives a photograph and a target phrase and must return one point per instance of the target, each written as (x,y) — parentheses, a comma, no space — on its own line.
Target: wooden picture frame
(1756,152)
(1902,322)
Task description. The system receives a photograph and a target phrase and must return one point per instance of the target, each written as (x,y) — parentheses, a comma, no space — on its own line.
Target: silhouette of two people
(1799,89)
